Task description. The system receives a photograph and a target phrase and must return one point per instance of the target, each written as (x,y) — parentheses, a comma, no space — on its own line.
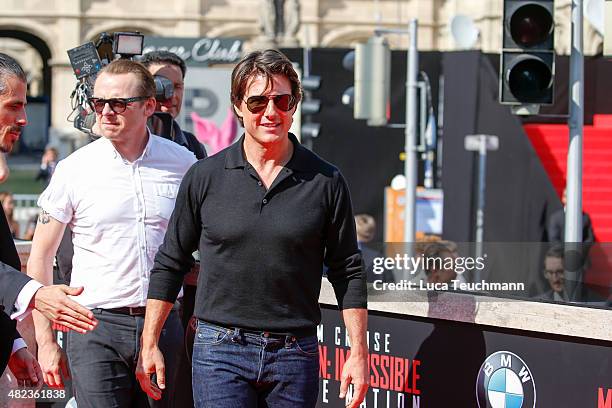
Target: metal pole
(573,209)
(410,168)
(482,169)
(429,132)
(306,53)
(440,130)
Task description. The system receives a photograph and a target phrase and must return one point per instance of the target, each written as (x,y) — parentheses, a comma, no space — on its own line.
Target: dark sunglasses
(258,103)
(117,105)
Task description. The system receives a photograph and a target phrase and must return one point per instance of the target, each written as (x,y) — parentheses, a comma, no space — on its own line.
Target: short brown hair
(145,79)
(266,63)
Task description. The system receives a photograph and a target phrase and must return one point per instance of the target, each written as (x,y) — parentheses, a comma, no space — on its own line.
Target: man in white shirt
(117,195)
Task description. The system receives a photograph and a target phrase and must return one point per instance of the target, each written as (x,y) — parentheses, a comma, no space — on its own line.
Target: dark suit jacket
(556,233)
(11,283)
(556,228)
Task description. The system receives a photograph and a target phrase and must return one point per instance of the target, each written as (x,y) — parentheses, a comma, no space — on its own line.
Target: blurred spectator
(366,230)
(8,204)
(556,229)
(556,225)
(28,235)
(439,259)
(554,273)
(47,165)
(439,252)
(4,170)
(366,227)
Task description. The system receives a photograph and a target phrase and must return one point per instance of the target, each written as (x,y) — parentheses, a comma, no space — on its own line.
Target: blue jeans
(234,369)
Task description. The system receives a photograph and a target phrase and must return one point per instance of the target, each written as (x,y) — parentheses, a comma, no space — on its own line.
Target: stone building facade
(38,32)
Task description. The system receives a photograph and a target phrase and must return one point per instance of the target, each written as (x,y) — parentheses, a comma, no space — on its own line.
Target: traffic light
(527,66)
(310,106)
(370,95)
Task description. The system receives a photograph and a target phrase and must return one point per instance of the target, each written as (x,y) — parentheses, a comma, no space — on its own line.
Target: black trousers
(103,361)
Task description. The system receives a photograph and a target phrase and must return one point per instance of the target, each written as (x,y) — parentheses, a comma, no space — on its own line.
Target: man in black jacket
(18,293)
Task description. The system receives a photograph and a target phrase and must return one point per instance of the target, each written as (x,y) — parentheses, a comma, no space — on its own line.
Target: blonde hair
(366,227)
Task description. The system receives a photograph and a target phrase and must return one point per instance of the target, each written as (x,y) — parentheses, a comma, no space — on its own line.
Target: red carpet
(551,144)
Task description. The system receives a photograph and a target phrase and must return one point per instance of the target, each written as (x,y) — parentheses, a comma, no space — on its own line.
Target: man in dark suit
(19,294)
(554,272)
(556,229)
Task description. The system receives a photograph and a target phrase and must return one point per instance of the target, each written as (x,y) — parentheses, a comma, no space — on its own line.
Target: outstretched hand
(53,302)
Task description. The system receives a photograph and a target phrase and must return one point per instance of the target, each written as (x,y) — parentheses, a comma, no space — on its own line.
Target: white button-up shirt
(118,212)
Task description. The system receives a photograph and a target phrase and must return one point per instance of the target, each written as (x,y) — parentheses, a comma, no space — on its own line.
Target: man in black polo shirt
(266,214)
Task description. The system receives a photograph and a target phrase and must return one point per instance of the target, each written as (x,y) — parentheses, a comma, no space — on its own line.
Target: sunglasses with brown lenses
(258,103)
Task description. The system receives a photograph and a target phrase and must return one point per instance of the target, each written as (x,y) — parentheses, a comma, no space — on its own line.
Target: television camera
(88,59)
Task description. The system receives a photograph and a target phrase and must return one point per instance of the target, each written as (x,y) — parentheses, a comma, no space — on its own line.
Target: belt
(238,330)
(266,334)
(132,311)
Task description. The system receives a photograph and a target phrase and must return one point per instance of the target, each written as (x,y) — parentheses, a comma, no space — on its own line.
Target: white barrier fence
(25,210)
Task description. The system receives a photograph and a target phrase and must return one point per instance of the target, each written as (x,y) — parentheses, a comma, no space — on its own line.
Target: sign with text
(198,51)
(432,363)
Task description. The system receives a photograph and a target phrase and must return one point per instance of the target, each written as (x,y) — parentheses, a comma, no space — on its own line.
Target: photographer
(172,67)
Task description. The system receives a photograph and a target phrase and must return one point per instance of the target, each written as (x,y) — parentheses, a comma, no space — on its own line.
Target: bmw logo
(505,381)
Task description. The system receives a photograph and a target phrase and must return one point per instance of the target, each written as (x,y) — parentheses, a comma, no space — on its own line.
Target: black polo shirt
(262,251)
